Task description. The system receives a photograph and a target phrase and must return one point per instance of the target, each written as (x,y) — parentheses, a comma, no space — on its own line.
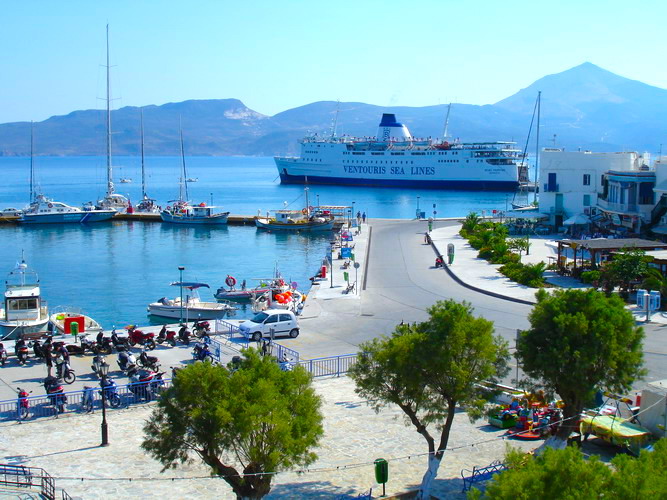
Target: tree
(567,474)
(470,223)
(429,368)
(580,341)
(519,245)
(627,266)
(242,423)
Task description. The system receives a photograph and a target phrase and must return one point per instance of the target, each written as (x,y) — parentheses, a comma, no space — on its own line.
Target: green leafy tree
(470,223)
(429,369)
(580,341)
(519,245)
(568,475)
(626,267)
(242,423)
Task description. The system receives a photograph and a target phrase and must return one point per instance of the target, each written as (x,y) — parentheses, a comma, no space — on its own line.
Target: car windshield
(259,318)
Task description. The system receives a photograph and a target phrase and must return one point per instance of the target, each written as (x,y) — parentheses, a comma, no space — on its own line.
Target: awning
(520,214)
(577,219)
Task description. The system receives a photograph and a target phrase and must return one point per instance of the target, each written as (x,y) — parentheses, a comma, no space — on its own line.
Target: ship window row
(21,304)
(380,162)
(310,160)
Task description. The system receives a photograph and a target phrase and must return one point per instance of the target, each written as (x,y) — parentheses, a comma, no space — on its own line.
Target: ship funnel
(391,130)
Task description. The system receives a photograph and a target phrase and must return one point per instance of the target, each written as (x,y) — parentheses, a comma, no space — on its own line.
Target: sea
(111,271)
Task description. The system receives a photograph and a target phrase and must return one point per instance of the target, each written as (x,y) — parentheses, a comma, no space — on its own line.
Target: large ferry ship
(395,159)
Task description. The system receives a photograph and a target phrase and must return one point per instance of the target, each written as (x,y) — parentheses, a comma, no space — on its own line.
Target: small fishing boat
(192,179)
(245,294)
(61,316)
(192,307)
(125,180)
(23,310)
(289,299)
(308,219)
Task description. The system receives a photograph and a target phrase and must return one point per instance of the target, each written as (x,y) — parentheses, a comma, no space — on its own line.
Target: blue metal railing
(334,365)
(43,406)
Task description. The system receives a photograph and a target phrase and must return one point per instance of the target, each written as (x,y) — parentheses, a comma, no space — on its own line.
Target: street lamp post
(418,212)
(181,269)
(104,371)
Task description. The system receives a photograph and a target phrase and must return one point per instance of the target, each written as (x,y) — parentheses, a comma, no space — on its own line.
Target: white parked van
(282,321)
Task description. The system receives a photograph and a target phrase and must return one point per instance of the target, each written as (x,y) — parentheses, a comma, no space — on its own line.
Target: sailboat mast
(32,164)
(537,144)
(184,180)
(143,172)
(444,133)
(110,189)
(307,204)
(334,125)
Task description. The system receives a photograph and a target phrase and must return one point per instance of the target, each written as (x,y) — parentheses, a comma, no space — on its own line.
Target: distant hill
(584,107)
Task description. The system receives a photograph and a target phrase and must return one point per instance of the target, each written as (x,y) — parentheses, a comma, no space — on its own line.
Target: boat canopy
(190,284)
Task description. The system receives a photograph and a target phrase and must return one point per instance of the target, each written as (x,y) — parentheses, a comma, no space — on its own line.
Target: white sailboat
(521,200)
(146,205)
(182,212)
(111,200)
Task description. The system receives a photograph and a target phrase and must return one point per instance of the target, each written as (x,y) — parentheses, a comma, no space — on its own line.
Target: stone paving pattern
(353,434)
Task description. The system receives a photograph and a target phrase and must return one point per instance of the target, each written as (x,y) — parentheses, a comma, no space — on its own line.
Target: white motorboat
(23,310)
(61,316)
(190,307)
(44,210)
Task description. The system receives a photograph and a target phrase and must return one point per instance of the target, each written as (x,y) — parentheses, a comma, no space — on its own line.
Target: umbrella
(577,219)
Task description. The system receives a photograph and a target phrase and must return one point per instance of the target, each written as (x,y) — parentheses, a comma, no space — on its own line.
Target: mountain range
(584,107)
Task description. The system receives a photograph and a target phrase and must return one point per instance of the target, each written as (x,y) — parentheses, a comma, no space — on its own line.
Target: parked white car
(281,321)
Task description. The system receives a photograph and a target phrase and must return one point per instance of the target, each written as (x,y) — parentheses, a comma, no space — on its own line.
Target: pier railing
(20,476)
(330,366)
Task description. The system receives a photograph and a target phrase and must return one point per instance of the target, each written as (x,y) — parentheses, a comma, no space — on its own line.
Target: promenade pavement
(483,275)
(354,435)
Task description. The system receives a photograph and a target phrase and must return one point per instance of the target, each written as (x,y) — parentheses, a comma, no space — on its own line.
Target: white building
(572,182)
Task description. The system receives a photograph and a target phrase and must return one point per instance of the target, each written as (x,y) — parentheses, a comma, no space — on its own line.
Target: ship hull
(308,226)
(68,218)
(447,184)
(213,220)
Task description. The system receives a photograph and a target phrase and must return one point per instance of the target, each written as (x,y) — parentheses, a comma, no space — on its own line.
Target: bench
(480,474)
(15,475)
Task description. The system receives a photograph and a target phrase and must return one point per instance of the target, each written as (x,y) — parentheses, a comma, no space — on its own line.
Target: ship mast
(334,124)
(32,164)
(143,173)
(110,188)
(444,133)
(184,181)
(537,144)
(307,205)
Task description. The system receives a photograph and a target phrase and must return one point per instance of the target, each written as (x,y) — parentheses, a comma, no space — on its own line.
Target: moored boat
(23,310)
(308,219)
(245,294)
(43,210)
(183,213)
(61,316)
(192,307)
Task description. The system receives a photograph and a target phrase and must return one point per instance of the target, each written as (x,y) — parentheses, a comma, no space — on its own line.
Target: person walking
(48,359)
(363,217)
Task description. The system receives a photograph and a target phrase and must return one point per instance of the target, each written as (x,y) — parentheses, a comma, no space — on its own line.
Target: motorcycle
(138,337)
(149,362)
(145,383)
(98,362)
(21,352)
(200,328)
(88,345)
(126,361)
(184,335)
(55,393)
(38,349)
(3,355)
(64,370)
(110,390)
(168,336)
(119,342)
(201,352)
(23,405)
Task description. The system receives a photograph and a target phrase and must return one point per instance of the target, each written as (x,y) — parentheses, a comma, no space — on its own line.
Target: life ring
(50,205)
(230,280)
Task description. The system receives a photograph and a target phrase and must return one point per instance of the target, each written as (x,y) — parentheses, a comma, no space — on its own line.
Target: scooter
(98,362)
(119,342)
(110,390)
(168,336)
(38,349)
(64,370)
(126,361)
(21,351)
(3,355)
(145,383)
(199,328)
(56,394)
(149,362)
(184,334)
(23,405)
(88,345)
(138,337)
(201,352)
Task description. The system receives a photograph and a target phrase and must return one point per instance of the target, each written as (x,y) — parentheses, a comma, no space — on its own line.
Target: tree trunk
(429,477)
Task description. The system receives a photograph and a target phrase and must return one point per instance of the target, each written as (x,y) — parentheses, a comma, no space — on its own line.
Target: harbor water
(113,270)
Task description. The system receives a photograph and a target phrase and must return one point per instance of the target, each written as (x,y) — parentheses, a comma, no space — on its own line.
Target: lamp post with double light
(104,371)
(180,283)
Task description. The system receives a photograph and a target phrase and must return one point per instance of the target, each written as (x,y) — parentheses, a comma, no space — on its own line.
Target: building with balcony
(627,199)
(571,182)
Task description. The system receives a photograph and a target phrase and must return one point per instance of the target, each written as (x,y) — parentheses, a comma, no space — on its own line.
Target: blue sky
(275,55)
